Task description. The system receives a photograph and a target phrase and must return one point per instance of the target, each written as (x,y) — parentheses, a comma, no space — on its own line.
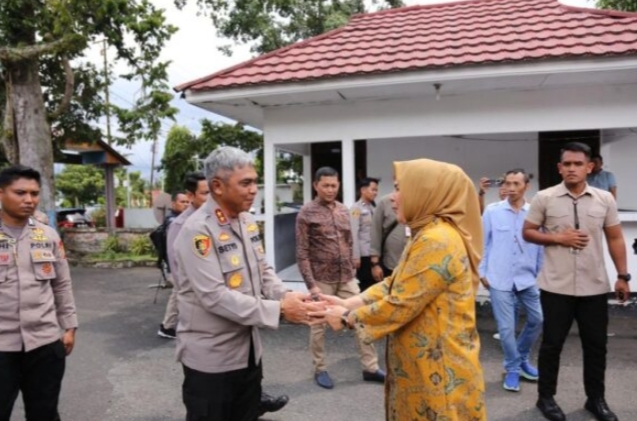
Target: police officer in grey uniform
(361,216)
(227,292)
(37,310)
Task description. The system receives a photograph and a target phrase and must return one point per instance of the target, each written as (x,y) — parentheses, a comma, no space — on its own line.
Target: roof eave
(442,75)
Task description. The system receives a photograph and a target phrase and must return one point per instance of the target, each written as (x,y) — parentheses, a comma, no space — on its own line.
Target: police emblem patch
(260,250)
(47,268)
(235,280)
(235,260)
(253,228)
(202,245)
(356,213)
(224,237)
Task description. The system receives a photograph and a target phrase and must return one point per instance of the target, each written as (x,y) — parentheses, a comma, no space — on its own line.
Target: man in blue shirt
(508,270)
(601,179)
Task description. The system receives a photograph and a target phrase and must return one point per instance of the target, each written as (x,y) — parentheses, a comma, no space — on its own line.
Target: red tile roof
(438,36)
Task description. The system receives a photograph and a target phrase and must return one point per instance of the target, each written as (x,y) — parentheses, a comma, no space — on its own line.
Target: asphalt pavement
(121,370)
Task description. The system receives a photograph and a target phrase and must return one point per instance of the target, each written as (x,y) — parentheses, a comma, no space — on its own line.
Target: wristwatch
(624,276)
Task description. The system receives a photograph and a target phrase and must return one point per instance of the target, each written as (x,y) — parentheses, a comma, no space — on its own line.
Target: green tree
(81,185)
(184,151)
(267,25)
(137,190)
(51,94)
(623,5)
(180,157)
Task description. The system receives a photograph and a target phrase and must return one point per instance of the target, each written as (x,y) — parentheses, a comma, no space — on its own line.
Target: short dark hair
(577,147)
(176,194)
(10,174)
(191,182)
(527,178)
(365,182)
(597,156)
(325,172)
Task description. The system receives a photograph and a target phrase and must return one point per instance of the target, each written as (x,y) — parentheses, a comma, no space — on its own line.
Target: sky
(193,52)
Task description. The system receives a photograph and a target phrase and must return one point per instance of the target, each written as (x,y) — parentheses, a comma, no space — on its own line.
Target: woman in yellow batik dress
(427,307)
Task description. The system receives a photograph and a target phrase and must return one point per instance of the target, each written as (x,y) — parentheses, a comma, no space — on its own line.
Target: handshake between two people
(313,309)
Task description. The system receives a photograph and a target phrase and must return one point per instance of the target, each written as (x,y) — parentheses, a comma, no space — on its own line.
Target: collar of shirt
(563,191)
(505,204)
(321,202)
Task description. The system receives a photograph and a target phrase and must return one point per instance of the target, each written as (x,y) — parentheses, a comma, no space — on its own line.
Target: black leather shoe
(550,409)
(324,380)
(271,404)
(374,376)
(599,408)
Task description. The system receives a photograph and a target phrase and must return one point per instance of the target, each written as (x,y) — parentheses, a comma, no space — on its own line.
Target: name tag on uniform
(42,255)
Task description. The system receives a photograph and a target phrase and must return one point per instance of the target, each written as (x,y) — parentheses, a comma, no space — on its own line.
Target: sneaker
(511,381)
(529,372)
(166,333)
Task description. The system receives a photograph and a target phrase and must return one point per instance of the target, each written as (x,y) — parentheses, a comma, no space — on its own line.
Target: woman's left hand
(332,316)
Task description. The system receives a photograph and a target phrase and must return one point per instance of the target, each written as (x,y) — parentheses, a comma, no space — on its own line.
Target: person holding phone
(570,221)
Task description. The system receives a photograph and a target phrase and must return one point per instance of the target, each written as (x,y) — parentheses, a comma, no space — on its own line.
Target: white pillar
(349,172)
(307,178)
(269,196)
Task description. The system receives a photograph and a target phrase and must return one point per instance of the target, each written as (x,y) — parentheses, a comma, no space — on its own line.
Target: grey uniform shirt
(173,231)
(227,291)
(361,218)
(36,299)
(383,221)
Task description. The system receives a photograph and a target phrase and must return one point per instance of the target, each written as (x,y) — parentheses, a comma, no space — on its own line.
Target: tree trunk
(32,129)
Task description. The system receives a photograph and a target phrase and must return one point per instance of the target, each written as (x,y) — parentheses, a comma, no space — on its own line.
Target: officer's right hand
(573,238)
(485,283)
(377,273)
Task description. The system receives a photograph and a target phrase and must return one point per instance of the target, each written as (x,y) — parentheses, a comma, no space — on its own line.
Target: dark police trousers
(591,314)
(230,396)
(38,375)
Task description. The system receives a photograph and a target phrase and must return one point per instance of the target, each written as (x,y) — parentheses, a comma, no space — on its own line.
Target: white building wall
(620,158)
(478,158)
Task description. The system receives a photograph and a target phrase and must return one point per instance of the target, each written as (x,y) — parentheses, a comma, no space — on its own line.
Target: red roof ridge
(602,12)
(423,6)
(589,10)
(273,53)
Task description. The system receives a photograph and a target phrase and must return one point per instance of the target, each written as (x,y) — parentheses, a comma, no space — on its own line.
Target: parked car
(74,218)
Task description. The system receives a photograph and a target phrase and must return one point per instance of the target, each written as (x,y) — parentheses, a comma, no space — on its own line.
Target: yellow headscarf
(431,189)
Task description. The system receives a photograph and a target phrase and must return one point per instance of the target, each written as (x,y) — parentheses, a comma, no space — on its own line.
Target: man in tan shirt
(226,293)
(571,220)
(37,309)
(326,262)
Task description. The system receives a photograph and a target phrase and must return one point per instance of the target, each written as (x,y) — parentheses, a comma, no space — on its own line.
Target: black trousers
(230,396)
(364,273)
(591,314)
(38,375)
